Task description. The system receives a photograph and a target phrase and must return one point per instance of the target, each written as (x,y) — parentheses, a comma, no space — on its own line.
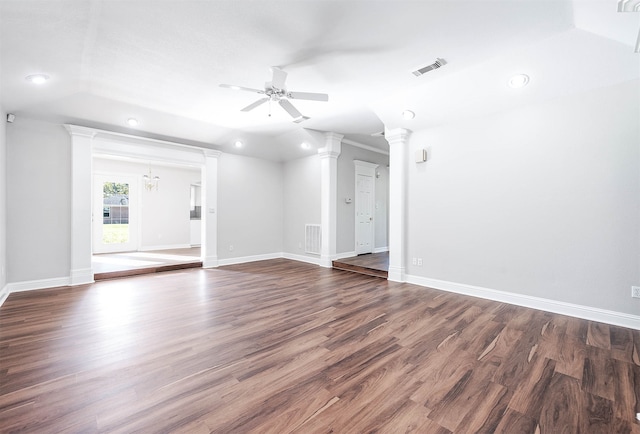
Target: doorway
(364,214)
(364,207)
(115,212)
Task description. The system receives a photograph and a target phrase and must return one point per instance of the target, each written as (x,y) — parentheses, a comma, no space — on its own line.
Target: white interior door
(364,214)
(115,200)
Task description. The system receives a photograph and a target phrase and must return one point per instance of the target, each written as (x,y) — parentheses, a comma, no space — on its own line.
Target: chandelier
(150,182)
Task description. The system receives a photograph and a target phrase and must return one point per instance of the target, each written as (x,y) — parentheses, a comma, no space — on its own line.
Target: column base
(396,274)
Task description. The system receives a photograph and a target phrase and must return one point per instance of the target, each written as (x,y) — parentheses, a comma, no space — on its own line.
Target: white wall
(542,201)
(301,202)
(346,188)
(38,194)
(164,213)
(249,207)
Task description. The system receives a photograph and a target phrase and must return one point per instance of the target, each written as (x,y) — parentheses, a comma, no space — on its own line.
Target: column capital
(75,130)
(333,145)
(397,135)
(212,153)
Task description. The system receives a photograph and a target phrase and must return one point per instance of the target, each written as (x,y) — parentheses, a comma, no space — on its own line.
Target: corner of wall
(3,206)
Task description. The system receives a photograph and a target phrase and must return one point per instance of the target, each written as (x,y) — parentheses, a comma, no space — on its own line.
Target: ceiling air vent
(437,64)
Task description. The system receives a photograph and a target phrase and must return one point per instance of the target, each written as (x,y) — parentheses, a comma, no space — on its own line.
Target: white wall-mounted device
(421,155)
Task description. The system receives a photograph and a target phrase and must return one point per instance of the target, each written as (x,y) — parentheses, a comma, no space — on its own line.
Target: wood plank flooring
(284,347)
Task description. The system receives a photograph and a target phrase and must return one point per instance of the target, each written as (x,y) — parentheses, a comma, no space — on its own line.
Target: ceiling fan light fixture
(408,114)
(518,81)
(37,78)
(276,92)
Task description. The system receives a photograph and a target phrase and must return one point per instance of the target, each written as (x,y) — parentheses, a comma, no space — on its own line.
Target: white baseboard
(4,293)
(210,262)
(301,258)
(165,247)
(245,259)
(81,276)
(380,249)
(396,274)
(559,307)
(344,255)
(31,285)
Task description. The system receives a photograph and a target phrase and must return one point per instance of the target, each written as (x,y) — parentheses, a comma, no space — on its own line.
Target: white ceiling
(162,61)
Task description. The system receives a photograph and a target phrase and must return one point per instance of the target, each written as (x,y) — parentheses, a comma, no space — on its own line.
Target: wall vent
(312,239)
(437,64)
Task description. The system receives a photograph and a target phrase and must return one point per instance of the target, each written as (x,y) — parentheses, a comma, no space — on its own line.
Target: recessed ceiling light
(238,144)
(519,80)
(305,145)
(408,114)
(132,122)
(37,78)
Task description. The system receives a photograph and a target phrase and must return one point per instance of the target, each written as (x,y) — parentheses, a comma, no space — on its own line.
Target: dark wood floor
(279,346)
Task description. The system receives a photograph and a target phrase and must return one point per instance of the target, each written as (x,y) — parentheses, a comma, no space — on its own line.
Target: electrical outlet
(231,247)
(414,261)
(635,291)
(419,262)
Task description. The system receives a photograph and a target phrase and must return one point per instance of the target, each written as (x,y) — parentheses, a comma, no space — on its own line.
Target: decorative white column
(329,197)
(81,270)
(398,165)
(209,243)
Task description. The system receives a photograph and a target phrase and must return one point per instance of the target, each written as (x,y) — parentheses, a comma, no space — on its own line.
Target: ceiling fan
(276,91)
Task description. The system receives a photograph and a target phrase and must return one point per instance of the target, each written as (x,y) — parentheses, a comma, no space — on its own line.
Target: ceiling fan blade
(290,108)
(308,95)
(234,87)
(278,78)
(254,105)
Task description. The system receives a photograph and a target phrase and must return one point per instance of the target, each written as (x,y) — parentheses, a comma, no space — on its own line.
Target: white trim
(363,146)
(31,285)
(4,294)
(245,259)
(130,138)
(301,258)
(344,255)
(396,274)
(398,198)
(210,262)
(329,197)
(165,247)
(381,249)
(554,306)
(81,276)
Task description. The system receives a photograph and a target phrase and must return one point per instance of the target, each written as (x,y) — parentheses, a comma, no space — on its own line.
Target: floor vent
(312,239)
